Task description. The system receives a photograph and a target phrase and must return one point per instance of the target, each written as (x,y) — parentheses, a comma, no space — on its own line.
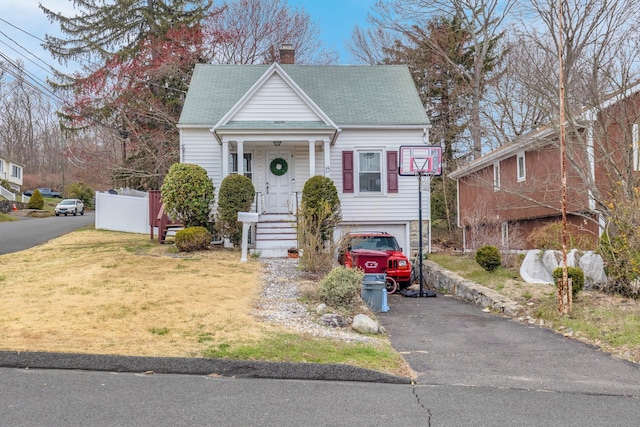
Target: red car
(380,245)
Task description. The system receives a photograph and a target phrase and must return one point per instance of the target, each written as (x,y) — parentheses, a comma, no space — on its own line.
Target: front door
(279,171)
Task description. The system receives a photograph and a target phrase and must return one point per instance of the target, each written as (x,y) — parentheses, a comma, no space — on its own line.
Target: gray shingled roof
(349,95)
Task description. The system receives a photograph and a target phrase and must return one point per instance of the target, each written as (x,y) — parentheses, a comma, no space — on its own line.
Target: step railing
(7,194)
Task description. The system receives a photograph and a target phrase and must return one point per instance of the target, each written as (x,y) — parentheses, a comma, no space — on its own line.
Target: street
(81,398)
(28,232)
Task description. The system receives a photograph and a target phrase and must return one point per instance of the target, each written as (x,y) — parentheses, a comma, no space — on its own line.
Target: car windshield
(68,202)
(378,243)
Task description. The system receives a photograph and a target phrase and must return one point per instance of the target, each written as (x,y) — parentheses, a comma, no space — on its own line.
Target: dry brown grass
(118,305)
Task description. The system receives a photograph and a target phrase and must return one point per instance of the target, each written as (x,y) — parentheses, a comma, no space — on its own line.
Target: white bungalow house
(289,122)
(12,172)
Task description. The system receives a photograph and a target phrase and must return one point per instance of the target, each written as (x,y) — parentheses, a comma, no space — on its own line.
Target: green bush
(575,274)
(6,185)
(322,204)
(79,190)
(187,193)
(489,258)
(236,195)
(36,201)
(193,239)
(318,215)
(341,288)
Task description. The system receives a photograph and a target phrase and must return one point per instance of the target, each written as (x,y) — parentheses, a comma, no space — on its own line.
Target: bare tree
(29,132)
(252,32)
(483,20)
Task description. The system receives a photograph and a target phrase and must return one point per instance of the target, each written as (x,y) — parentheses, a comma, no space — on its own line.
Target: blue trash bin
(373,287)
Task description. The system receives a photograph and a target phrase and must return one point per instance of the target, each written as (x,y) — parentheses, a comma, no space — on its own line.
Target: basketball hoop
(423,159)
(424,162)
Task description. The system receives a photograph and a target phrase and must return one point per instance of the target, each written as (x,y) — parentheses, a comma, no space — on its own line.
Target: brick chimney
(287,54)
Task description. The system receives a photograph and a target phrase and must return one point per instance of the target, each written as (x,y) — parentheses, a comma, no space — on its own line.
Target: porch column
(326,147)
(312,159)
(225,158)
(240,157)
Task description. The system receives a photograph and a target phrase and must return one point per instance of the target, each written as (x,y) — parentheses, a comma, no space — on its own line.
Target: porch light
(277,143)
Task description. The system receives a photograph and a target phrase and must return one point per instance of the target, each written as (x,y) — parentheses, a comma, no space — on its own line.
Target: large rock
(365,325)
(334,320)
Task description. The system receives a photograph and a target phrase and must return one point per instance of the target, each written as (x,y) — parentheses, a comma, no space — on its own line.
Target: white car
(70,206)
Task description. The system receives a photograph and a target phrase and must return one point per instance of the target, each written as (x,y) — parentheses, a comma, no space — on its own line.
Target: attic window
(496,176)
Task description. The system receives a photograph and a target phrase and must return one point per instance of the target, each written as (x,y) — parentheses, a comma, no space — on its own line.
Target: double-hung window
(247,167)
(370,171)
(16,171)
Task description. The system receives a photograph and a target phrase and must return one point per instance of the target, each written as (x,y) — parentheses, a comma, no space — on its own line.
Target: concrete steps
(275,234)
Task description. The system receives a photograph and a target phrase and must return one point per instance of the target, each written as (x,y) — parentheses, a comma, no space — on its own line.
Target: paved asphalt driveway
(447,341)
(28,232)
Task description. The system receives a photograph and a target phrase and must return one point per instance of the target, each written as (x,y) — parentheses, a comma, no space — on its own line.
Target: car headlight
(402,263)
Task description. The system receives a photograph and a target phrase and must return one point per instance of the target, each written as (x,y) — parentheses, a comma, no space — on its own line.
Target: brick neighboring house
(518,188)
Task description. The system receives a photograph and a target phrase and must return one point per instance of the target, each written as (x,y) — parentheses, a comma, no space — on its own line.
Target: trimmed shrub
(187,194)
(36,201)
(193,239)
(489,258)
(236,195)
(322,204)
(575,274)
(318,215)
(79,190)
(340,289)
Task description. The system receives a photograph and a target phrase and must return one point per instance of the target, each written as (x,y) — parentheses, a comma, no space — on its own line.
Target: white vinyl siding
(376,208)
(198,146)
(275,101)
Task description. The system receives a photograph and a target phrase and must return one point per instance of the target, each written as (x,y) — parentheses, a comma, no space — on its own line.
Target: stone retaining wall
(449,282)
(7,205)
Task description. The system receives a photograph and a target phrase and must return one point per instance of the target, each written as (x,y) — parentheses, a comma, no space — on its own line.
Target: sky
(22,23)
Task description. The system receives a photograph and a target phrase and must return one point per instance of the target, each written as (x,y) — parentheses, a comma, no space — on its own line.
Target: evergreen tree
(440,58)
(139,56)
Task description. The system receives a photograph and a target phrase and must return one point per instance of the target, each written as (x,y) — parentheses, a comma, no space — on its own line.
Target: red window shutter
(392,171)
(347,171)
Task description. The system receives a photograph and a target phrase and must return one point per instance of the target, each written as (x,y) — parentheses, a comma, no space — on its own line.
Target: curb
(195,366)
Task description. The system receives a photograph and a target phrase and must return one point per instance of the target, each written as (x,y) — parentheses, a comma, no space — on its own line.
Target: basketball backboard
(420,159)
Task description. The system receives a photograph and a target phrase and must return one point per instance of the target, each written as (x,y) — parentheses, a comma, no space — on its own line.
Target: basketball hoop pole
(420,227)
(420,160)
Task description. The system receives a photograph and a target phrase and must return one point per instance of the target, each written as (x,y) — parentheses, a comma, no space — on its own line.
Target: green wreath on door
(279,166)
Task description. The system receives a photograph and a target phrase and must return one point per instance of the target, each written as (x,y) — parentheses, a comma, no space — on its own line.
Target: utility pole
(564,296)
